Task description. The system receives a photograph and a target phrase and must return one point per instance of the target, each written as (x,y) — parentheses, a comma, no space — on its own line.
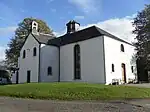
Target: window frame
(122,48)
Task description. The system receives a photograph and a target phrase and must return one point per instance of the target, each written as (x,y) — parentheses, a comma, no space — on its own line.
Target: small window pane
(34,51)
(24,54)
(49,71)
(113,68)
(132,69)
(122,47)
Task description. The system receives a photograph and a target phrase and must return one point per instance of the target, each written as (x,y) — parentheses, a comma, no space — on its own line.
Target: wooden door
(124,73)
(28,76)
(17,77)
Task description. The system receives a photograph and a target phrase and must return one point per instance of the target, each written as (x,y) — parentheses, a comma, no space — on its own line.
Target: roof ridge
(72,33)
(80,30)
(46,34)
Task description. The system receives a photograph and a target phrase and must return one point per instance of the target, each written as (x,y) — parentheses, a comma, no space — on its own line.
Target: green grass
(73,91)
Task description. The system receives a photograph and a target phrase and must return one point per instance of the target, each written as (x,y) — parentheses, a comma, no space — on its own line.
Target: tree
(142,31)
(16,43)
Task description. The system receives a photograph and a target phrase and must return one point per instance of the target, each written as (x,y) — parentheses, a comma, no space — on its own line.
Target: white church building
(89,55)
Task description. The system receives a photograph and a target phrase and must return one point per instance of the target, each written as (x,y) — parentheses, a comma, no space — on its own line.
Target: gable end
(27,38)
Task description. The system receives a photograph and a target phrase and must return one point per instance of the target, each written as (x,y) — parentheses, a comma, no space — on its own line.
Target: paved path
(144,85)
(25,105)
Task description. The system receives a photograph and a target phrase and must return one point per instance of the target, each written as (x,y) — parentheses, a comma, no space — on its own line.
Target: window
(122,47)
(24,54)
(132,69)
(49,71)
(113,68)
(34,51)
(77,68)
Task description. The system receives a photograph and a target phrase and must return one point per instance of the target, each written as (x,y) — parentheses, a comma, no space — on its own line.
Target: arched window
(34,51)
(49,70)
(113,68)
(24,54)
(77,65)
(122,47)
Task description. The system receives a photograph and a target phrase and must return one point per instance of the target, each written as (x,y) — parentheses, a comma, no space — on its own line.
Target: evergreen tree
(142,31)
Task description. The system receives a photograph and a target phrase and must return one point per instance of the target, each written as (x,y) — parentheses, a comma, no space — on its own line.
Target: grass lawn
(73,91)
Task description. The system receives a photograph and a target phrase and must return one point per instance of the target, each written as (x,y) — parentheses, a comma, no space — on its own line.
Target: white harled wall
(30,62)
(49,57)
(92,61)
(13,78)
(97,56)
(113,55)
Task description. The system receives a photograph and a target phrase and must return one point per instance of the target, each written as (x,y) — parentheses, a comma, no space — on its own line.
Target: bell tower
(72,26)
(35,28)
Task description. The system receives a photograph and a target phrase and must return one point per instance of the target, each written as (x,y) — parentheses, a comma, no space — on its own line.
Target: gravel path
(26,105)
(144,85)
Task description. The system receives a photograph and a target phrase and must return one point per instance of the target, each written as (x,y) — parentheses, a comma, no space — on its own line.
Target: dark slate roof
(43,38)
(81,35)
